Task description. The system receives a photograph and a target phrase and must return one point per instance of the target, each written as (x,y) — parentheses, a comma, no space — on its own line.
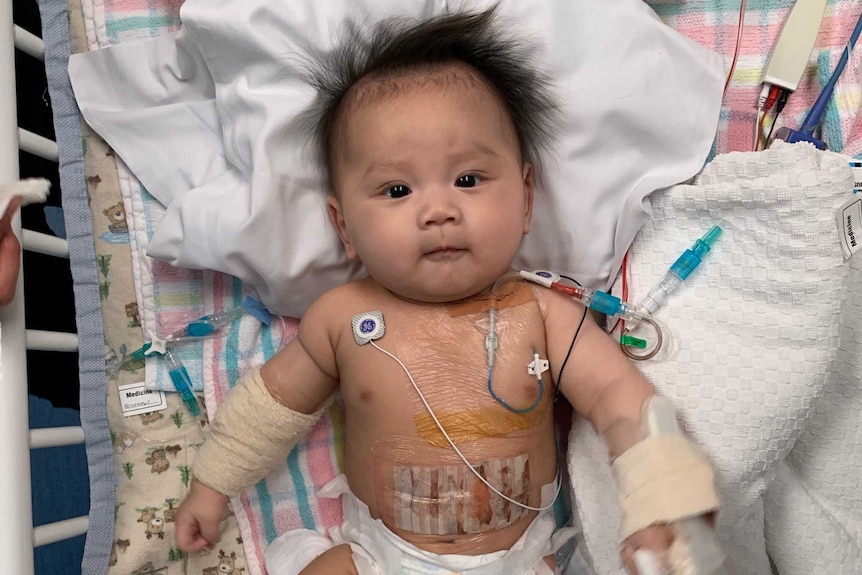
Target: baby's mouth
(445,253)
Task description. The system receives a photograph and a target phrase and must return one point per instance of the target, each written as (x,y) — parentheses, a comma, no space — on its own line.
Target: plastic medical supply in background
(680,270)
(790,56)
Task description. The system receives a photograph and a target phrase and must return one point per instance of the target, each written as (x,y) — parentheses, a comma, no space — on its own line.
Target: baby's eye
(397,191)
(468,181)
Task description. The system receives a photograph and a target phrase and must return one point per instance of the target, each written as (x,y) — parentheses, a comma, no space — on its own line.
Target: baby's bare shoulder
(322,327)
(332,312)
(346,300)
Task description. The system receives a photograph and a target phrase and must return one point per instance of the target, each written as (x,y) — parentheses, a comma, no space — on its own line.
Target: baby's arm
(607,389)
(264,416)
(603,386)
(598,380)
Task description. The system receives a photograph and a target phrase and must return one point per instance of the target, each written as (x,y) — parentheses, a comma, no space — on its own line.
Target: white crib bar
(29,43)
(38,145)
(16,528)
(44,244)
(56,437)
(51,340)
(66,529)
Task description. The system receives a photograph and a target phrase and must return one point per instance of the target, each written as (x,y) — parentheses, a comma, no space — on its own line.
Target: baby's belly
(428,496)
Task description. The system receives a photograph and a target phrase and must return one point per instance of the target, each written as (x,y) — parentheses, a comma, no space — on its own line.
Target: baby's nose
(438,211)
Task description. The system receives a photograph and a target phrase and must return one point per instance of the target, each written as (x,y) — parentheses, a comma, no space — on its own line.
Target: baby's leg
(336,561)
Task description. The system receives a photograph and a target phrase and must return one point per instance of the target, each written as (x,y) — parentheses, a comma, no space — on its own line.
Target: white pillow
(756,329)
(200,117)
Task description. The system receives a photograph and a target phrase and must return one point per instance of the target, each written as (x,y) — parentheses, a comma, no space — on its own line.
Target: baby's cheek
(381,246)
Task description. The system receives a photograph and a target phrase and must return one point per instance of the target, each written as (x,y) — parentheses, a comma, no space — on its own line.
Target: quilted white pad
(814,507)
(755,330)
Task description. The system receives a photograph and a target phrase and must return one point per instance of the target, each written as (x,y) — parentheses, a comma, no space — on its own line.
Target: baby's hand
(199,517)
(656,538)
(10,254)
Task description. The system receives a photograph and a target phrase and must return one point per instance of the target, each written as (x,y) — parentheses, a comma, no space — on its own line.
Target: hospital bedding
(165,295)
(83,267)
(756,336)
(153,450)
(138,464)
(713,23)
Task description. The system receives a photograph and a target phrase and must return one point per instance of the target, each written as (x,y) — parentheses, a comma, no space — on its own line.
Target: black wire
(569,353)
(572,280)
(782,101)
(572,345)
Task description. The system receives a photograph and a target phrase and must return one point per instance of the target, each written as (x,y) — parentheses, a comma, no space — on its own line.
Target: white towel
(814,507)
(756,329)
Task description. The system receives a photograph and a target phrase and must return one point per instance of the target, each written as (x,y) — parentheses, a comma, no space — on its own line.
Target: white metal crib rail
(18,537)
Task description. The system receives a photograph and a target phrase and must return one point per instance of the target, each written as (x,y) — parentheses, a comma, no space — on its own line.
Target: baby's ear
(336,216)
(529,189)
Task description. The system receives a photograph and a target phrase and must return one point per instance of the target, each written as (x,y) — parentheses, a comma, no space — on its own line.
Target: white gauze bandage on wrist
(663,479)
(250,435)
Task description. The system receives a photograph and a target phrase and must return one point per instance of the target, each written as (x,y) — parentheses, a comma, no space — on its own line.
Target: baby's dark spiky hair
(396,46)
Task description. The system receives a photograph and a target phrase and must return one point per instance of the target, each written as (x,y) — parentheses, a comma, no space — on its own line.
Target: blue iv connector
(180,377)
(605,303)
(680,270)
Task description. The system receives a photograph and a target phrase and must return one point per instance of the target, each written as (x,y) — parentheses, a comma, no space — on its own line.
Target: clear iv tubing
(599,301)
(491,344)
(458,451)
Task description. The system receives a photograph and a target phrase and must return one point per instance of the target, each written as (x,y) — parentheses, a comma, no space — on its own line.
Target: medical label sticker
(135,399)
(856,168)
(850,225)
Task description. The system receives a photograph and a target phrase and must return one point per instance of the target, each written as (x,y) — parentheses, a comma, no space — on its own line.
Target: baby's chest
(451,361)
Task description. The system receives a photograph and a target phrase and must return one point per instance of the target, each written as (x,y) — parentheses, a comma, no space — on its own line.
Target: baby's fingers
(10,263)
(188,534)
(645,552)
(210,531)
(6,220)
(645,562)
(10,254)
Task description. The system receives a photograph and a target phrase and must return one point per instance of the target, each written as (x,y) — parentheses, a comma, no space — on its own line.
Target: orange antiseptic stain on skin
(511,294)
(482,423)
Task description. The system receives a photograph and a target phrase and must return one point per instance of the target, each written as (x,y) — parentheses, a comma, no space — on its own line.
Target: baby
(448,370)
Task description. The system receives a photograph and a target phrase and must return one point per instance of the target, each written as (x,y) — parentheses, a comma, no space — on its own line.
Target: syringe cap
(710,236)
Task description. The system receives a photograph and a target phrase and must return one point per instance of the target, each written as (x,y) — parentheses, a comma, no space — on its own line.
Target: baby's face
(433,196)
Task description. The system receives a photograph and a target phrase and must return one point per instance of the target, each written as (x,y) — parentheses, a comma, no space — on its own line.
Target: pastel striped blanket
(713,23)
(166,295)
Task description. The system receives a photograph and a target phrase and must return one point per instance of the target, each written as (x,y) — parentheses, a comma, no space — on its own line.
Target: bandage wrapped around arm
(250,435)
(663,479)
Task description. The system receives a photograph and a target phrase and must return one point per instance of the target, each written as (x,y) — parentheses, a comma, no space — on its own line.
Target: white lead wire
(458,451)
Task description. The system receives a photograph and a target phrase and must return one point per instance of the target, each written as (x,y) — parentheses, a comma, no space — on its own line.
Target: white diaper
(378,551)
